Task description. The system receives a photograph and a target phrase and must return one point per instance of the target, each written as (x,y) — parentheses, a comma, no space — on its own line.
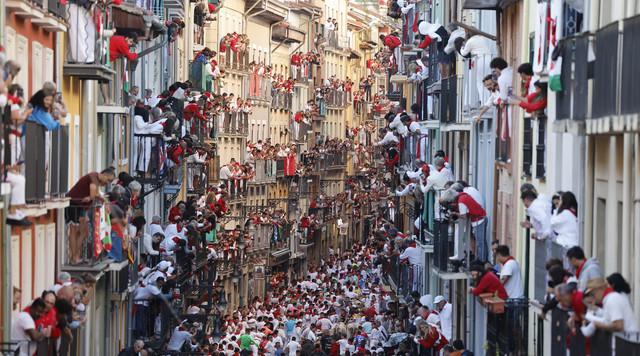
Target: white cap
(438,299)
(164,265)
(426,300)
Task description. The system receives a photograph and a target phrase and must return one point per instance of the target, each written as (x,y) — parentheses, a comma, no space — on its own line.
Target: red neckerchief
(508,259)
(573,211)
(607,291)
(16,132)
(440,169)
(579,269)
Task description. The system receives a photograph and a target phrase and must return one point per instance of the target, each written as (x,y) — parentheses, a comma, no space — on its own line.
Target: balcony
(281,100)
(53,160)
(234,124)
(265,172)
(204,129)
(337,99)
(280,239)
(601,343)
(197,178)
(149,157)
(507,329)
(57,9)
(572,101)
(267,10)
(81,251)
(85,58)
(330,161)
(616,76)
(449,100)
(404,277)
(238,61)
(198,76)
(280,168)
(287,35)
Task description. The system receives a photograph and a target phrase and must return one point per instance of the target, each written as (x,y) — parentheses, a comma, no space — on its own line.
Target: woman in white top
(565,221)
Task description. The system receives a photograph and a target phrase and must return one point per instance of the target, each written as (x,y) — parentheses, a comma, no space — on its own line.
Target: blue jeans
(480,234)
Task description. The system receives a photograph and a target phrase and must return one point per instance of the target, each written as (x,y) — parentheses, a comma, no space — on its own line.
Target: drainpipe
(636,222)
(626,201)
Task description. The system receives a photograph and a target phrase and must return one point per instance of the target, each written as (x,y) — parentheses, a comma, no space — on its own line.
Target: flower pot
(495,305)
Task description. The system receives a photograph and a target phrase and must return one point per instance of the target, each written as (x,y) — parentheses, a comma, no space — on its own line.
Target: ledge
(88,71)
(613,124)
(575,127)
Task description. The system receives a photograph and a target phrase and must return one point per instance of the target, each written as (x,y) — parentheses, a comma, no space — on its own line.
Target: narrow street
(319,177)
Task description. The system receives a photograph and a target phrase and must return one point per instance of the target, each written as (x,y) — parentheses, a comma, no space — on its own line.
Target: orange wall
(25,28)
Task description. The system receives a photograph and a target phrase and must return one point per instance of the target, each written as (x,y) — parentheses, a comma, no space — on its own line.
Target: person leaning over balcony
(119,47)
(585,269)
(42,104)
(535,101)
(501,69)
(486,282)
(492,86)
(616,306)
(23,329)
(538,209)
(468,207)
(510,274)
(478,227)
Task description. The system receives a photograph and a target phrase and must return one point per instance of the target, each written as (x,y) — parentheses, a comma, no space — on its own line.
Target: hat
(595,284)
(164,265)
(426,300)
(438,299)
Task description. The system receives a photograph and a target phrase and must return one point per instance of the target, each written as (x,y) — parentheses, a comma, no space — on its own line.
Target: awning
(487,4)
(354,55)
(280,257)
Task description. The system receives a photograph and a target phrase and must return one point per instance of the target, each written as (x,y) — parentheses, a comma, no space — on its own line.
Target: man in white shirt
(538,209)
(179,337)
(510,274)
(23,329)
(438,178)
(292,346)
(505,78)
(225,173)
(388,138)
(445,311)
(616,307)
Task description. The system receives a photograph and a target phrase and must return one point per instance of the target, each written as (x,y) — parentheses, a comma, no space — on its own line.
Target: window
(504,136)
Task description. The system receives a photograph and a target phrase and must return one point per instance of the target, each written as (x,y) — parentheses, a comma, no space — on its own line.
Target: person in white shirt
(564,222)
(23,329)
(505,78)
(438,178)
(538,209)
(510,274)
(179,336)
(292,347)
(445,312)
(616,306)
(388,138)
(412,255)
(473,46)
(492,86)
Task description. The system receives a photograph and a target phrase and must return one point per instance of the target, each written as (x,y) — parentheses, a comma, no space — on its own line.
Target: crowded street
(319,177)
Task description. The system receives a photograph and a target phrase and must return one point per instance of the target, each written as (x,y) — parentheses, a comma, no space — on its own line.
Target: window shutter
(541,147)
(527,147)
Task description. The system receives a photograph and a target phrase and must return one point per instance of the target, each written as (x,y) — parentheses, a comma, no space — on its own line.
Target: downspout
(626,201)
(636,222)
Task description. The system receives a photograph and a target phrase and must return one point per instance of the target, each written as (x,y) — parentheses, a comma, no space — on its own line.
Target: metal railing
(406,278)
(56,8)
(203,129)
(45,152)
(507,332)
(337,98)
(563,339)
(572,100)
(234,123)
(83,238)
(605,81)
(236,60)
(281,100)
(85,44)
(198,76)
(280,167)
(449,100)
(149,157)
(280,237)
(265,171)
(197,178)
(331,160)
